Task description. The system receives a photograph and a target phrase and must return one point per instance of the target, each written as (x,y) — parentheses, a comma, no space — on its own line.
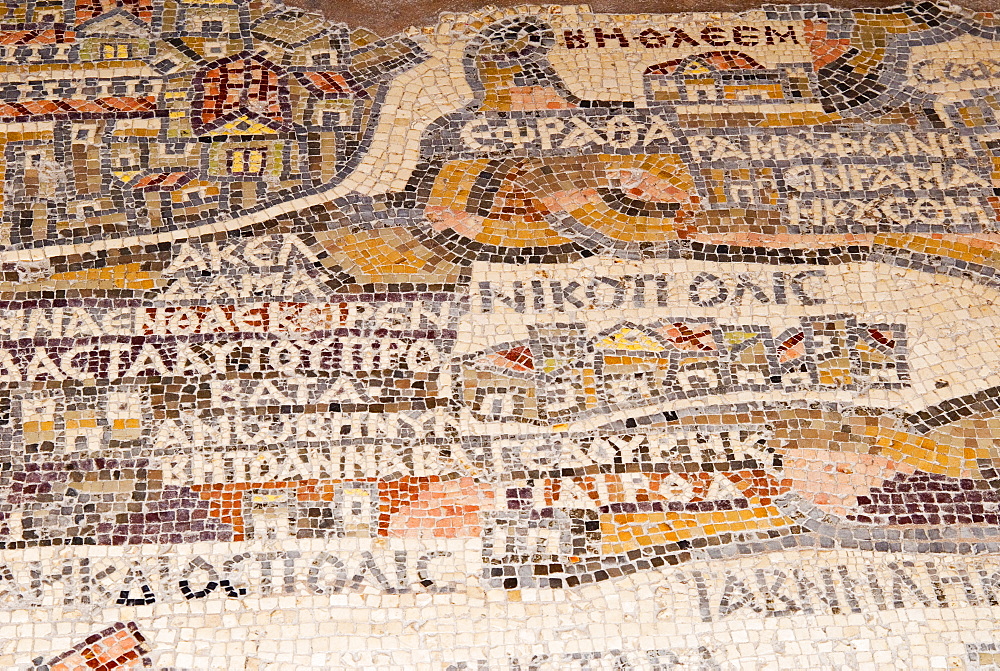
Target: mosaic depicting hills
(601,292)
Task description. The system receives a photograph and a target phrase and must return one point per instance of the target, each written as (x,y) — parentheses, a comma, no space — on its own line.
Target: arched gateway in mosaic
(427,350)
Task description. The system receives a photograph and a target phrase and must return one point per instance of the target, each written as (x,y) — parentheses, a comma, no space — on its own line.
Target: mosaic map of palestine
(534,339)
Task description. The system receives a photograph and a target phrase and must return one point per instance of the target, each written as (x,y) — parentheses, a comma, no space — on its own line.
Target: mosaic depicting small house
(138,116)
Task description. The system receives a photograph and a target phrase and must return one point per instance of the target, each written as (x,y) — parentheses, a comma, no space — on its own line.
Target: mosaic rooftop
(533,339)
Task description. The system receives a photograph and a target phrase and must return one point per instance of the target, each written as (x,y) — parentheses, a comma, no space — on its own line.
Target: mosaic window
(537,338)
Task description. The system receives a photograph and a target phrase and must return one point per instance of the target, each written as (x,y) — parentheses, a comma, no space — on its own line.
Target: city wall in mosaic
(536,338)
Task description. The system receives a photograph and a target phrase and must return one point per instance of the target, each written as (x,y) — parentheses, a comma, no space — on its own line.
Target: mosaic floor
(535,339)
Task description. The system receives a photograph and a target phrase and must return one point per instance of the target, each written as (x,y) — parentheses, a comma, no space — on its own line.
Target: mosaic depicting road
(530,339)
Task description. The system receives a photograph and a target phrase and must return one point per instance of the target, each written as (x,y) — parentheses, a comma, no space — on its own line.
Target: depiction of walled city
(536,338)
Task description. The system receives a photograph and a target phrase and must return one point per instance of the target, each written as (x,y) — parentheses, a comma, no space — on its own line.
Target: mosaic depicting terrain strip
(538,338)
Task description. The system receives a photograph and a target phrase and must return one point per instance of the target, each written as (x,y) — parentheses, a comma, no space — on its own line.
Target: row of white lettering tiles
(794,609)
